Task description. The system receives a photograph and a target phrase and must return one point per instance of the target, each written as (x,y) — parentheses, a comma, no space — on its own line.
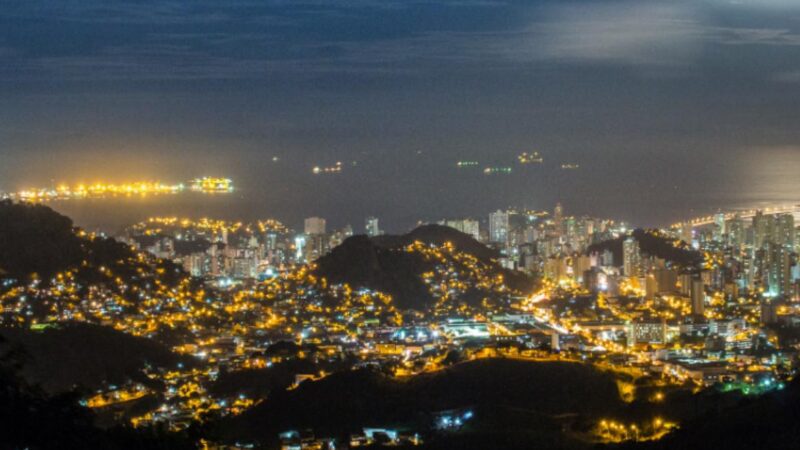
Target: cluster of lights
(450,422)
(613,431)
(523,158)
(496,170)
(212,185)
(65,192)
(157,225)
(336,168)
(530,158)
(457,273)
(124,395)
(298,304)
(570,166)
(100,190)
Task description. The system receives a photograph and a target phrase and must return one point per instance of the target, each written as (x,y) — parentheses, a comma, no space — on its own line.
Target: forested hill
(392,264)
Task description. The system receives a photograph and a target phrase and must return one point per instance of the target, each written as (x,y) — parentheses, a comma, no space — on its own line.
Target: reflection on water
(772,175)
(758,178)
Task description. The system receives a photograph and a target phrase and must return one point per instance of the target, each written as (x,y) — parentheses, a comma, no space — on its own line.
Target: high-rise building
(631,257)
(607,258)
(778,270)
(314,226)
(650,286)
(372,227)
(763,230)
(785,231)
(316,245)
(720,229)
(243,268)
(736,232)
(498,227)
(666,279)
(558,218)
(769,311)
(299,249)
(698,296)
(467,226)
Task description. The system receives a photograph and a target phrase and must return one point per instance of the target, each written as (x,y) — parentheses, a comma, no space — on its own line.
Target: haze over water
(649,197)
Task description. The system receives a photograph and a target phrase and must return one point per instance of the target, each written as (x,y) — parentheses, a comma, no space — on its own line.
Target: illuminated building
(244,268)
(581,264)
(766,230)
(213,248)
(498,227)
(300,248)
(647,333)
(727,328)
(720,229)
(785,231)
(778,270)
(314,226)
(557,268)
(196,264)
(763,230)
(666,279)
(371,226)
(316,246)
(737,232)
(558,218)
(650,286)
(606,259)
(631,257)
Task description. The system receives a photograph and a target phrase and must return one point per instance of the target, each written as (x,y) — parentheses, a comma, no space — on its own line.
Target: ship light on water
(206,185)
(211,185)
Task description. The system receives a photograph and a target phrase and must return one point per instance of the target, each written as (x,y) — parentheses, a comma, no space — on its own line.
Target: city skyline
(440,225)
(703,312)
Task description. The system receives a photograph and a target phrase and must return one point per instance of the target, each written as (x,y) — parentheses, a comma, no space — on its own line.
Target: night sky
(671,108)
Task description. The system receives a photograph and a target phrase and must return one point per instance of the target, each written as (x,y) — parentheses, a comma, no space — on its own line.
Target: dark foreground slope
(32,419)
(79,355)
(35,239)
(494,389)
(768,422)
